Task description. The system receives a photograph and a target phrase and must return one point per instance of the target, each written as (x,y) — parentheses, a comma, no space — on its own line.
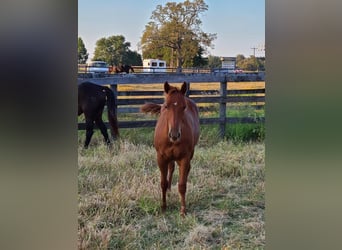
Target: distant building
(228,63)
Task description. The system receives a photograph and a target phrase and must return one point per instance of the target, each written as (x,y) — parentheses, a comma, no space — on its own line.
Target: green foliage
(251,63)
(114,50)
(174,34)
(133,58)
(82,52)
(214,62)
(245,132)
(198,60)
(239,60)
(239,132)
(261,63)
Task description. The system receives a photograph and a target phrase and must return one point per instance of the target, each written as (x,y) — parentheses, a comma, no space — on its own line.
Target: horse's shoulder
(192,105)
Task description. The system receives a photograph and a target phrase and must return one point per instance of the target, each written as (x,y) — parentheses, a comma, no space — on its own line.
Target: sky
(239,24)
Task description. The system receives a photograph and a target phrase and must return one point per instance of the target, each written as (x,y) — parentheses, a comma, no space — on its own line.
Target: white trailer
(154,65)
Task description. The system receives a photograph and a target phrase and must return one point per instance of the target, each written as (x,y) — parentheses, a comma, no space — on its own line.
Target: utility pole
(255,60)
(254,48)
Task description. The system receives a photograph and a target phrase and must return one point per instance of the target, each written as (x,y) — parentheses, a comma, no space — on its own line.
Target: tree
(251,63)
(82,52)
(198,60)
(133,58)
(239,60)
(114,50)
(214,62)
(175,33)
(261,63)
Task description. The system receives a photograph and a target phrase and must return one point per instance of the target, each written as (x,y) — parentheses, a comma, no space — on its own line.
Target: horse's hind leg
(171,168)
(103,129)
(89,132)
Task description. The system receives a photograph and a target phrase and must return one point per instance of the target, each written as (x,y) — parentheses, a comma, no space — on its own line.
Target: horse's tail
(131,68)
(151,108)
(112,116)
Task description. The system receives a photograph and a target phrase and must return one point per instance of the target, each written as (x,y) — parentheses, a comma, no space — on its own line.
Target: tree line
(174,34)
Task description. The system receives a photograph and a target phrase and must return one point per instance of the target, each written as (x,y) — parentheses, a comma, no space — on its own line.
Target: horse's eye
(165,106)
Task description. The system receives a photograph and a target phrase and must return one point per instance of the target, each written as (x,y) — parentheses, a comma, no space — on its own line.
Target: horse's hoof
(183,212)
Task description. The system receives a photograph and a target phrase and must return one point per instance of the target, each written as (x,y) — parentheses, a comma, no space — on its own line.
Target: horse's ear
(184,88)
(166,87)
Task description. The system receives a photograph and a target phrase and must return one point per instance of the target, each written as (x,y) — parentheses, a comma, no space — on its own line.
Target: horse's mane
(152,108)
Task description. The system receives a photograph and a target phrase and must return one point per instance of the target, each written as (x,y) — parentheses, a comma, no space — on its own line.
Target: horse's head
(174,108)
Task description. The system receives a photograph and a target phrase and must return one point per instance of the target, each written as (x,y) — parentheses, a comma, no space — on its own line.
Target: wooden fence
(129,101)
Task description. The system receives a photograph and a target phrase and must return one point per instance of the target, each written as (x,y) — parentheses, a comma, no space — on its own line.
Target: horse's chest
(175,152)
(172,152)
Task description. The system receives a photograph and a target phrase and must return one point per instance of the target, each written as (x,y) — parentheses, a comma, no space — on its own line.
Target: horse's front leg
(171,168)
(163,166)
(184,169)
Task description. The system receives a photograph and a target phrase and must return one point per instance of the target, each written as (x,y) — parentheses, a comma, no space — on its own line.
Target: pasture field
(119,196)
(194,86)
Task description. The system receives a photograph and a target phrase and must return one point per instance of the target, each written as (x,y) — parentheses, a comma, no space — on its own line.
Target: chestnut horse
(91,101)
(176,134)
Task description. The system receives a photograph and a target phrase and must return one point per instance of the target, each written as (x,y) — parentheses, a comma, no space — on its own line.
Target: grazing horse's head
(174,108)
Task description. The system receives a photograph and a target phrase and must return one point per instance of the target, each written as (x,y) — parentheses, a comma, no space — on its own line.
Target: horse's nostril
(174,137)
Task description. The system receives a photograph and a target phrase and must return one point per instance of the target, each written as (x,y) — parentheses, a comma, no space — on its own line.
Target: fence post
(223,108)
(114,88)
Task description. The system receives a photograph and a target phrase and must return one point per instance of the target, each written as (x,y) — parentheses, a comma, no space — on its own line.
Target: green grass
(119,196)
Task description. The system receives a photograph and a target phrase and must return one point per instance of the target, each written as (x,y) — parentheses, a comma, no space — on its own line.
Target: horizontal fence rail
(133,78)
(129,102)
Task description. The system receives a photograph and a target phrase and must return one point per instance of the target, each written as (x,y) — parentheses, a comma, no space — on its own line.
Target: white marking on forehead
(175,103)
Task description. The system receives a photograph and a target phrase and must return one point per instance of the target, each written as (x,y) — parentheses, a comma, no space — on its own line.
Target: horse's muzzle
(174,136)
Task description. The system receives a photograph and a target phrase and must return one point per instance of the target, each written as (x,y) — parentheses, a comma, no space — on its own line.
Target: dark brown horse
(175,137)
(123,68)
(91,101)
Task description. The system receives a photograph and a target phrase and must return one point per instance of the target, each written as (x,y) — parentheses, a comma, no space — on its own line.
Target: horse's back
(89,87)
(193,117)
(90,97)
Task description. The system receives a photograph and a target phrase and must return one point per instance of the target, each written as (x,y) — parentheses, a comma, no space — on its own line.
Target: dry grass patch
(119,199)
